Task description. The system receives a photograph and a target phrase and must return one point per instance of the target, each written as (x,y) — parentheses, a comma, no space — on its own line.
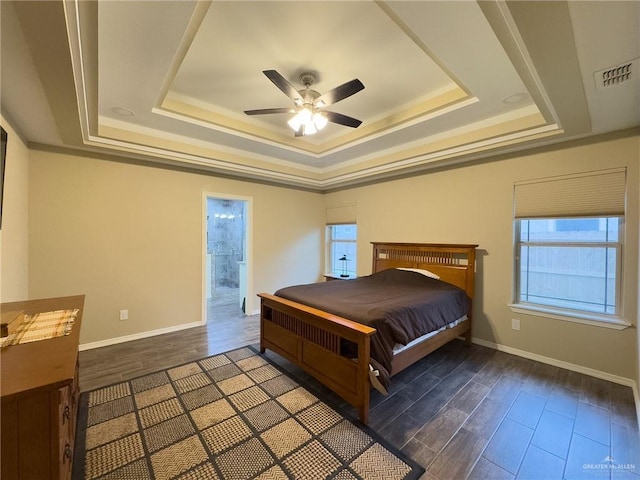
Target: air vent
(610,77)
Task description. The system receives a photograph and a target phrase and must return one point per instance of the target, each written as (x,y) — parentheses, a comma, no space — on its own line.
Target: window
(342,249)
(570,263)
(569,240)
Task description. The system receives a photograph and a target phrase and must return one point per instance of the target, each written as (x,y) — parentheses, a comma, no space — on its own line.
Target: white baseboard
(557,363)
(478,341)
(137,336)
(628,382)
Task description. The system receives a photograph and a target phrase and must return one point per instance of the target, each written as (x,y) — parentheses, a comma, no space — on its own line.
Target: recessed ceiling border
(181,108)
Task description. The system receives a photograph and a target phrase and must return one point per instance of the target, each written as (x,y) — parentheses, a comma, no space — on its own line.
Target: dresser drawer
(40,399)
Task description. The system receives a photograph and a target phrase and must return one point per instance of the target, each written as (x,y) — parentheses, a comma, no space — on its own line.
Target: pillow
(421,271)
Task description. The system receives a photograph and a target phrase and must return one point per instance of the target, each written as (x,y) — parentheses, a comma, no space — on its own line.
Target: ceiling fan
(309,114)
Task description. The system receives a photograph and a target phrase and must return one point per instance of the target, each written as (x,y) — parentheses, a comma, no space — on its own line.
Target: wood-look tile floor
(227,328)
(462,412)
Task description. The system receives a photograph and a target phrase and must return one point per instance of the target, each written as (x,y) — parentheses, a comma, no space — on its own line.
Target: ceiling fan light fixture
(305,116)
(295,123)
(319,120)
(309,121)
(308,118)
(309,129)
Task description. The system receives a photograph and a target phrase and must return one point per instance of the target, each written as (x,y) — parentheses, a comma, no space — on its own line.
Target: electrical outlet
(124,314)
(515,324)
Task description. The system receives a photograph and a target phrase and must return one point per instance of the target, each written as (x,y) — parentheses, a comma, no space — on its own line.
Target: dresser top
(47,363)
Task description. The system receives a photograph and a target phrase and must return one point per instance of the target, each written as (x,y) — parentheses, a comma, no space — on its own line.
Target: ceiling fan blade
(339,93)
(282,83)
(267,111)
(343,119)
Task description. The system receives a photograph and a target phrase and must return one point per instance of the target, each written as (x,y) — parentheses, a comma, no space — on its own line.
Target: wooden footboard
(311,338)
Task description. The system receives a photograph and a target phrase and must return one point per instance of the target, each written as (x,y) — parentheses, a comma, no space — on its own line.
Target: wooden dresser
(39,388)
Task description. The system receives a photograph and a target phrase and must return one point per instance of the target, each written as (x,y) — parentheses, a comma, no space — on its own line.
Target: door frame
(249,305)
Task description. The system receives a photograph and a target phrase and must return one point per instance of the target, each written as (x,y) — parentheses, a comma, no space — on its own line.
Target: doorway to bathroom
(226,270)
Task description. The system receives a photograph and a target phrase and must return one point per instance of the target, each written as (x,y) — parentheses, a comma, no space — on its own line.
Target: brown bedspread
(400,305)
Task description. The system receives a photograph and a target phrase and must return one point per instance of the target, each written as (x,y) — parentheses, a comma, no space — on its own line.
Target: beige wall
(473,204)
(131,237)
(14,254)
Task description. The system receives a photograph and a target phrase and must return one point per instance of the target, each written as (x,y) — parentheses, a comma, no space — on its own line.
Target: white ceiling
(445,81)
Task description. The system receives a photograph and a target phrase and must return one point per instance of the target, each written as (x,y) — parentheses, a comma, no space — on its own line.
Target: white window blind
(599,193)
(341,214)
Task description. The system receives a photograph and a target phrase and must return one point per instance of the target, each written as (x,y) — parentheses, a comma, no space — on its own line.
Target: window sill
(595,320)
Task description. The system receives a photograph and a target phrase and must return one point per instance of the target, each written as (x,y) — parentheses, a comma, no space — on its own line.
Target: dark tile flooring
(462,412)
(227,328)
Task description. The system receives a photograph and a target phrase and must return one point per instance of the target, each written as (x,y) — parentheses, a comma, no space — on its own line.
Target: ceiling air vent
(610,77)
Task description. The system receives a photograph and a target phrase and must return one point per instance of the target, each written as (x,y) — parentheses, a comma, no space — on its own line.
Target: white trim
(478,341)
(137,336)
(595,320)
(628,382)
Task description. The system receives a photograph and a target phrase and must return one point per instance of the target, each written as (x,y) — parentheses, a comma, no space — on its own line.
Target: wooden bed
(311,338)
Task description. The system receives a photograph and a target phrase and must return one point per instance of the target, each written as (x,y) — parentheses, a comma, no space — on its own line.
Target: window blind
(341,214)
(599,194)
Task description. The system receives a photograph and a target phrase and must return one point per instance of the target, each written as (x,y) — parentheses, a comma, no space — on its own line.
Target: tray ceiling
(445,82)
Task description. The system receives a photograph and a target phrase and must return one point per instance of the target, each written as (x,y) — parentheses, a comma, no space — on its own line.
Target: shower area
(226,257)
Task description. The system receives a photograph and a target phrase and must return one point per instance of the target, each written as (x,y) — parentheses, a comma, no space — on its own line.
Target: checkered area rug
(229,416)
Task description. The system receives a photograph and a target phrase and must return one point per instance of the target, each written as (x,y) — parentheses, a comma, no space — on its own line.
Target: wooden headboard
(453,263)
